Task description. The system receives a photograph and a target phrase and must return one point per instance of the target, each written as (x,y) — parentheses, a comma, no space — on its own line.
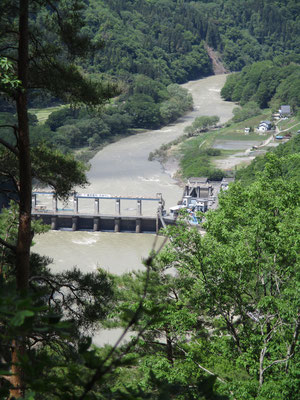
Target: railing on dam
(93,219)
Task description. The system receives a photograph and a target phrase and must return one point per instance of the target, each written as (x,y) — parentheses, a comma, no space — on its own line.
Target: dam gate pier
(94,220)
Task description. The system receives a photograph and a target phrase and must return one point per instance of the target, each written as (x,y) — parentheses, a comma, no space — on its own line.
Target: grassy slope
(292,124)
(43,113)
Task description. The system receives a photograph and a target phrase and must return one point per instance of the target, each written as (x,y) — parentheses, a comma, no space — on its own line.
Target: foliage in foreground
(55,318)
(215,317)
(225,304)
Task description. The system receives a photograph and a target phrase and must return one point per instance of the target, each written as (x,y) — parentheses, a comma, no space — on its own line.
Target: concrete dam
(94,220)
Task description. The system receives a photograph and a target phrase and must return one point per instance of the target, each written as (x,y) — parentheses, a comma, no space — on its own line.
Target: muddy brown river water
(123,168)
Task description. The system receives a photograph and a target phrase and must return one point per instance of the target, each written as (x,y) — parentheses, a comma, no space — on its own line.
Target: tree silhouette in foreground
(40,59)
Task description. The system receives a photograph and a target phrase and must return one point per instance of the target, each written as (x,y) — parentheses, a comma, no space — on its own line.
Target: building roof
(227,180)
(197,181)
(286,109)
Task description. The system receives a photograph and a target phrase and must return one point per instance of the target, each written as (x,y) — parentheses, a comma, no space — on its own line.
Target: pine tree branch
(11,58)
(8,245)
(10,147)
(8,48)
(12,178)
(204,369)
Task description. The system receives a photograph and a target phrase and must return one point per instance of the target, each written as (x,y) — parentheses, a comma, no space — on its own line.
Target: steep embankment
(216,61)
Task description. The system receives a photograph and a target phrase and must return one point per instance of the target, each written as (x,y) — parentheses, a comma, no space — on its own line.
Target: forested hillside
(268,83)
(146,46)
(164,39)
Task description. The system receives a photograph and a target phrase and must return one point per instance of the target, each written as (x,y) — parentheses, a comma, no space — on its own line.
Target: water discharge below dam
(123,168)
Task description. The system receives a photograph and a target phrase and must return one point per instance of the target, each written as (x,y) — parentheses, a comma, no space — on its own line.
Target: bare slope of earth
(217,64)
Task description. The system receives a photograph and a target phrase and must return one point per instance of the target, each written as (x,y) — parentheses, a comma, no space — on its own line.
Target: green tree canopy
(227,303)
(265,83)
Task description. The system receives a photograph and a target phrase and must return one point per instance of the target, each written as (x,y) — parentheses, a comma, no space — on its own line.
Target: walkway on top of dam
(73,201)
(88,219)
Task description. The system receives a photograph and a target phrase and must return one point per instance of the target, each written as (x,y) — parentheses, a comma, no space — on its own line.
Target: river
(123,168)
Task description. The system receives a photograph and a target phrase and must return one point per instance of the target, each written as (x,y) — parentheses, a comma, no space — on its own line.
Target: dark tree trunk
(169,347)
(25,192)
(16,379)
(24,232)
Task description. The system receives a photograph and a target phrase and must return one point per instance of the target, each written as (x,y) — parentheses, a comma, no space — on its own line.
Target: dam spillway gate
(94,220)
